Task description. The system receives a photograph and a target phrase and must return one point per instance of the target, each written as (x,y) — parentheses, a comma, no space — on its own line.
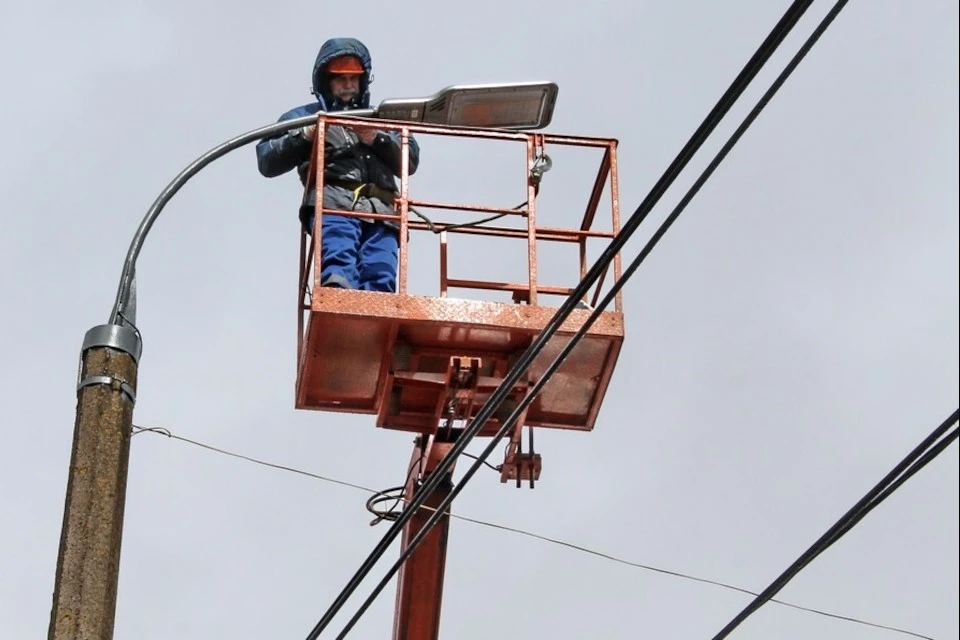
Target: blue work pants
(358,254)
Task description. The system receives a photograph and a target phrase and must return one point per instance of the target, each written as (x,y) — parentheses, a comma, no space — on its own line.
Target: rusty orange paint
(381,354)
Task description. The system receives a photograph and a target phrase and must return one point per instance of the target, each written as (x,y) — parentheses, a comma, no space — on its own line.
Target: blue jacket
(347,159)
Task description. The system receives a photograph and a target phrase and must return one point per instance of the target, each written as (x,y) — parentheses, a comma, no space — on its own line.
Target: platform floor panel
(355,339)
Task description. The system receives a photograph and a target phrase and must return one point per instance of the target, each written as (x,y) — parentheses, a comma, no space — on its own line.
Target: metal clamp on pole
(115,336)
(121,385)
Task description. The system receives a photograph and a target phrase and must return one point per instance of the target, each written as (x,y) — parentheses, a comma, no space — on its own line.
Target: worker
(359,172)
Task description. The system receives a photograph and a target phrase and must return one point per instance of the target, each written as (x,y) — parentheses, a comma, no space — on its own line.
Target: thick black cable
(746,75)
(909,473)
(907,467)
(615,288)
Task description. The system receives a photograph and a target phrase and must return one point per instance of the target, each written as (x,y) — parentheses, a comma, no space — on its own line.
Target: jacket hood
(334,48)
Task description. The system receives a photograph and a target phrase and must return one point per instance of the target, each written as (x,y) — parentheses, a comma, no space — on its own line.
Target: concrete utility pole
(88,565)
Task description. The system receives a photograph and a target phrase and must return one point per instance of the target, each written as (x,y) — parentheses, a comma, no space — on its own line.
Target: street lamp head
(523,105)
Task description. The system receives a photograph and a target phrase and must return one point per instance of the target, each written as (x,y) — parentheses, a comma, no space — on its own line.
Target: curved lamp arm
(123,300)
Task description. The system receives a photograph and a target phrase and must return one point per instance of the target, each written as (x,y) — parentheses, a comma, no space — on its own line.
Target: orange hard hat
(345,65)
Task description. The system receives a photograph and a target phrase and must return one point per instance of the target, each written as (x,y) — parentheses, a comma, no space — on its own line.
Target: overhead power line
(932,446)
(530,534)
(655,238)
(713,118)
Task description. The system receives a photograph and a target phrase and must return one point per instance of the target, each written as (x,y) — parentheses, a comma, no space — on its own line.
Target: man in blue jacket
(359,175)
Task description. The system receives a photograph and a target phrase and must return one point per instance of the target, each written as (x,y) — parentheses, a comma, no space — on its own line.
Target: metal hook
(541,165)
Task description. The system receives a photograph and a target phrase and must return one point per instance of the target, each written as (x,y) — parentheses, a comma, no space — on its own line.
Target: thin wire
(913,462)
(167,433)
(530,534)
(691,578)
(470,455)
(536,179)
(386,495)
(513,376)
(434,228)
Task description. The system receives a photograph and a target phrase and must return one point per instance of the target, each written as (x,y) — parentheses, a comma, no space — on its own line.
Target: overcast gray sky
(792,338)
